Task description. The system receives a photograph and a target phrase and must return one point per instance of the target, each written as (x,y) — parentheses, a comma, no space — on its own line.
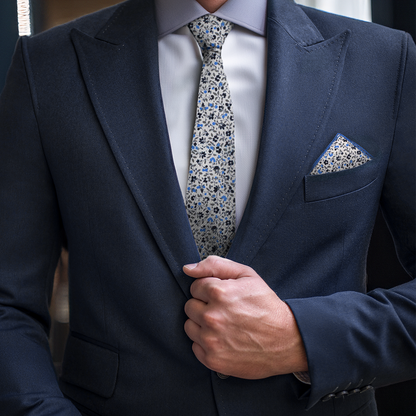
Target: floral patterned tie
(210,194)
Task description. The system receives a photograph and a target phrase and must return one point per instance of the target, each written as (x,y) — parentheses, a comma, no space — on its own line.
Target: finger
(194,310)
(208,360)
(200,354)
(219,267)
(193,330)
(209,290)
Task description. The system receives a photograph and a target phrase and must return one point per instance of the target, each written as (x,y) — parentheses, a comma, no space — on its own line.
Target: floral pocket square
(340,155)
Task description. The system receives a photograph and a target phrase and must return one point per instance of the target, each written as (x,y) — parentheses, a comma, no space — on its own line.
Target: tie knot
(210,31)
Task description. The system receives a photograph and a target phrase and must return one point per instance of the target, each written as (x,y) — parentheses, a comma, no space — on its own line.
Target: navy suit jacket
(85,156)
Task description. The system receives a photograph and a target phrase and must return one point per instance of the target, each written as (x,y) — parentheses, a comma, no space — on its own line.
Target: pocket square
(340,155)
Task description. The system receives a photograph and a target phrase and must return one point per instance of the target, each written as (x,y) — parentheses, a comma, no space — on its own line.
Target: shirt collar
(174,14)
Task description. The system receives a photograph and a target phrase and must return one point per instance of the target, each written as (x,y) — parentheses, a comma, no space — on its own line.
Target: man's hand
(239,326)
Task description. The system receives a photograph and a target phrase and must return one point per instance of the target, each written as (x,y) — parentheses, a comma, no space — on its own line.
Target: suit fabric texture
(85,158)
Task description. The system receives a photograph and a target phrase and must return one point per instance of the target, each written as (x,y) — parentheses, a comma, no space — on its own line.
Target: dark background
(384,270)
(8,35)
(398,399)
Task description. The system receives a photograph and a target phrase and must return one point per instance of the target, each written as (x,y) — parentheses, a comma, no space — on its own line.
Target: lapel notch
(291,18)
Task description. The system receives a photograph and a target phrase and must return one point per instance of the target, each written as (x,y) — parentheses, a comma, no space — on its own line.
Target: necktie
(210,194)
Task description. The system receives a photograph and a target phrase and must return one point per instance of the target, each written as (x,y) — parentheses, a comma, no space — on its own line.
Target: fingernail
(191,266)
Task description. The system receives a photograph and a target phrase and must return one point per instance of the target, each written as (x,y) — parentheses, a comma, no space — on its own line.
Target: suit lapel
(303,73)
(120,69)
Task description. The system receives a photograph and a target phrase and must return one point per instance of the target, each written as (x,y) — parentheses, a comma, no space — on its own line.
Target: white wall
(359,9)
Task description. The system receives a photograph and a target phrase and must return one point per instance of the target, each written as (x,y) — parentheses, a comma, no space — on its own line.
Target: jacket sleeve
(353,340)
(30,244)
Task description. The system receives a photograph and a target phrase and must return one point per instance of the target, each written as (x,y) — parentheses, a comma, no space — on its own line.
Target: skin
(211,5)
(238,325)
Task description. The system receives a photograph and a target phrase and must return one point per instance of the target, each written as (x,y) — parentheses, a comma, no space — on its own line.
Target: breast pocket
(335,184)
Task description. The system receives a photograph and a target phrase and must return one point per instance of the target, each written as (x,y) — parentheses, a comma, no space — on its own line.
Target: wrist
(294,349)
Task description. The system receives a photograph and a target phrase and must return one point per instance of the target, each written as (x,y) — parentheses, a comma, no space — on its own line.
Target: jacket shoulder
(54,48)
(89,24)
(330,24)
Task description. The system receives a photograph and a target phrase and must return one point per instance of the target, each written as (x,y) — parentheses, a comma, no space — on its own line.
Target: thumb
(218,267)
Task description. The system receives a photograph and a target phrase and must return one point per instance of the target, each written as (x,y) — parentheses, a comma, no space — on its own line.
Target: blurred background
(38,15)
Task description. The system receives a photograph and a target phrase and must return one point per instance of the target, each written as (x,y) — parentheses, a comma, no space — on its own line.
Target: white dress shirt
(244,56)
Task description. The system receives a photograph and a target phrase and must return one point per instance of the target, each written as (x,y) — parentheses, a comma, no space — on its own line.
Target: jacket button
(222,376)
(341,394)
(328,397)
(366,388)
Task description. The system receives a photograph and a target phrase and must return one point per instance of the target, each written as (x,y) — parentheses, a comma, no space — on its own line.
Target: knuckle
(216,292)
(211,343)
(212,362)
(214,264)
(211,319)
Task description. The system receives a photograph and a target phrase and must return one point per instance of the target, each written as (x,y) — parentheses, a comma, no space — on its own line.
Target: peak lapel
(303,73)
(120,69)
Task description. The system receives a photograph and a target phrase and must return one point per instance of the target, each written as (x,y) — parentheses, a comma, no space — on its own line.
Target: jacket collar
(128,19)
(174,14)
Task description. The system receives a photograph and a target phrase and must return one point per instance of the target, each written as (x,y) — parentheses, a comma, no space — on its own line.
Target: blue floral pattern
(210,194)
(341,154)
